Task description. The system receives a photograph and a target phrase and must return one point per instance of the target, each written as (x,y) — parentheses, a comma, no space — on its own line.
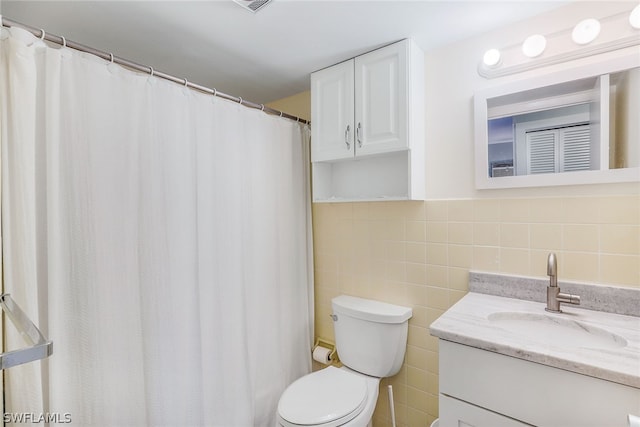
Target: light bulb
(586,31)
(534,45)
(634,17)
(491,57)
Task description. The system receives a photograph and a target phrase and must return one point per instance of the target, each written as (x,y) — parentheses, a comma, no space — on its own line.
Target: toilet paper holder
(333,356)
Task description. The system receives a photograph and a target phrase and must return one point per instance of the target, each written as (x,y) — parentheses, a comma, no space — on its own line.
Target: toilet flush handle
(334,317)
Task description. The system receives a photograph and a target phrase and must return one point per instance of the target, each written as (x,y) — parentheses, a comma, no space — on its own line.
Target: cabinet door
(332,130)
(381,100)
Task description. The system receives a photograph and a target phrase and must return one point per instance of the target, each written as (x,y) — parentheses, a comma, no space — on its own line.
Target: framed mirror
(578,126)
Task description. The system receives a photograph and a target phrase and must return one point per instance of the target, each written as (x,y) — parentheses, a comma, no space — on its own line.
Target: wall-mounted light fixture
(589,37)
(534,45)
(491,58)
(634,17)
(586,31)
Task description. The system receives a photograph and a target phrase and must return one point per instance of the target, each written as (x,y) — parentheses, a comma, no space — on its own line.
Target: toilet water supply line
(392,409)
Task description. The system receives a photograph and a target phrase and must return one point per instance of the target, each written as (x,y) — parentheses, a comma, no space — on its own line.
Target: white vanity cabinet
(367,118)
(479,388)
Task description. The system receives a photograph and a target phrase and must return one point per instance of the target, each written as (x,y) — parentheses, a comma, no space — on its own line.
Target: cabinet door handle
(346,137)
(358,136)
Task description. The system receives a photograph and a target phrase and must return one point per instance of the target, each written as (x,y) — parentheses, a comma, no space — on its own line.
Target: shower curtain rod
(37,32)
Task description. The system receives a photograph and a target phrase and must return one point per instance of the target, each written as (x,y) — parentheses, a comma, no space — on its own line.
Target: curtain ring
(215,92)
(280,113)
(297,119)
(151,71)
(110,58)
(240,100)
(64,42)
(186,83)
(262,107)
(42,34)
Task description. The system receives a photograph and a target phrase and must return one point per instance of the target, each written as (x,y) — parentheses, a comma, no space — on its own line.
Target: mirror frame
(482,179)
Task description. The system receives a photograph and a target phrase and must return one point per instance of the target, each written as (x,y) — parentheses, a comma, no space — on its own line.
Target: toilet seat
(328,398)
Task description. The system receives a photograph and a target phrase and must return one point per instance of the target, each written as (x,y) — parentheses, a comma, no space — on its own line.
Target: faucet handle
(568,298)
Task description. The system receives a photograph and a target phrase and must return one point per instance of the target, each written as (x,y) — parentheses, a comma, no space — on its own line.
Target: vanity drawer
(456,413)
(531,392)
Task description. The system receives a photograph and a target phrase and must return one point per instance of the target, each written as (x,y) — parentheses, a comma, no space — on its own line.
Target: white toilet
(371,339)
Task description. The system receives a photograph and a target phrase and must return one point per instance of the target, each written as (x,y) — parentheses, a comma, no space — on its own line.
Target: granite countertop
(469,322)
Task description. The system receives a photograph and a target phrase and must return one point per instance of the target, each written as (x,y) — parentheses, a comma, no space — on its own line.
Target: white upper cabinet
(381,100)
(367,117)
(333,132)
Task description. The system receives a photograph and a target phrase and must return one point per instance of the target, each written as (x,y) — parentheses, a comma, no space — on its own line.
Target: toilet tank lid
(374,311)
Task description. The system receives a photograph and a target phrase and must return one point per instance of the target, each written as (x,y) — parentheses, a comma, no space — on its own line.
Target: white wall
(451,81)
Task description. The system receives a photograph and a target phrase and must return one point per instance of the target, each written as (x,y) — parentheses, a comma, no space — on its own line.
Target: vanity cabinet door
(333,133)
(456,413)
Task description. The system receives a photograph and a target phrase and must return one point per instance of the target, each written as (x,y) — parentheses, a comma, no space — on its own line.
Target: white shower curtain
(160,237)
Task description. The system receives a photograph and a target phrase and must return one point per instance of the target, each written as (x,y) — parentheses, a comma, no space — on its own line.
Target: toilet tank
(371,336)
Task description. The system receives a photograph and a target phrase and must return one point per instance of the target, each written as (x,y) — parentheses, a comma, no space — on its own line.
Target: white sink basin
(556,331)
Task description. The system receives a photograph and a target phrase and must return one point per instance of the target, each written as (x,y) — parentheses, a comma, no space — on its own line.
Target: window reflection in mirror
(588,124)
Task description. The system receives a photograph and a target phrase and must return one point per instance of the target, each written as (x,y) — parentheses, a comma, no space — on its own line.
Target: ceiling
(268,55)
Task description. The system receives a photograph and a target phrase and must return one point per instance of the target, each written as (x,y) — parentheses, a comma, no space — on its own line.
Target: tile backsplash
(419,254)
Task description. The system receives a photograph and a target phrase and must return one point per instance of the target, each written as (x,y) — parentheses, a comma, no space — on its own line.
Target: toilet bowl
(328,398)
(371,339)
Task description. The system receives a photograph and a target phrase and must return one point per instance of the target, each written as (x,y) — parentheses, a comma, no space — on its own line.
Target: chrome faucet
(554,296)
